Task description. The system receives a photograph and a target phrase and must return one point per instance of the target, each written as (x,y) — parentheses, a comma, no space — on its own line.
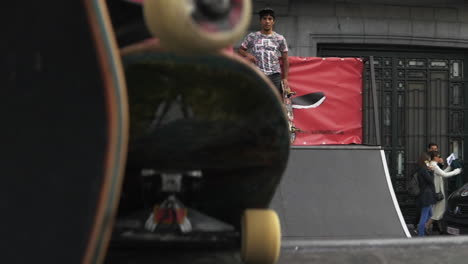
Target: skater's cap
(266,11)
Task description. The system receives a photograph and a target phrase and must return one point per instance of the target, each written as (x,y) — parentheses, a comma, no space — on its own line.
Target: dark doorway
(422,98)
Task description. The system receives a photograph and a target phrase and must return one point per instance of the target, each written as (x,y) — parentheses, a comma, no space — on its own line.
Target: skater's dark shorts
(276,79)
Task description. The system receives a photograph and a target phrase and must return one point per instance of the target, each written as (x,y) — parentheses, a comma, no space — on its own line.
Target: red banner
(334,88)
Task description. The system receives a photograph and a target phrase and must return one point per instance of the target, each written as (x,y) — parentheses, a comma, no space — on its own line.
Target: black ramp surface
(338,192)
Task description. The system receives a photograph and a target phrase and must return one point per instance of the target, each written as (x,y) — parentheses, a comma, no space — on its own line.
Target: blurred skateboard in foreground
(209,139)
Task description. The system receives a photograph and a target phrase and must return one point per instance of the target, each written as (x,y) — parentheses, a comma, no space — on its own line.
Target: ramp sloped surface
(338,193)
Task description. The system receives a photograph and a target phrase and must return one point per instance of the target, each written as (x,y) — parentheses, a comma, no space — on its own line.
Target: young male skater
(266,48)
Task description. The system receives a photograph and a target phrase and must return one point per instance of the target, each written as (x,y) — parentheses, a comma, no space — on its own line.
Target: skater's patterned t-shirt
(267,49)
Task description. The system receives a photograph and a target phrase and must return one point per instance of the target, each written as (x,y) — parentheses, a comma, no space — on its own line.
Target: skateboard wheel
(197,25)
(261,236)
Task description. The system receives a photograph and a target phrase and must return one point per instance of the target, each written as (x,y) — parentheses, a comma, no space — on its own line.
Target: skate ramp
(338,192)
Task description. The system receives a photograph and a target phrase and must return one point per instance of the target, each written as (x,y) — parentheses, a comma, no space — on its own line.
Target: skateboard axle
(214,9)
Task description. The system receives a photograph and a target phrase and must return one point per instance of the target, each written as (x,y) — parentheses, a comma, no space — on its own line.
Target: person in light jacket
(438,209)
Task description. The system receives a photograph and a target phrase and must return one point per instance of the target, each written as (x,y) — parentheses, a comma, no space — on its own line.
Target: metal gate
(422,98)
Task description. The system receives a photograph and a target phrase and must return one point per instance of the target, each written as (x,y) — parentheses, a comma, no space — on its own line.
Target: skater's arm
(284,58)
(439,172)
(244,53)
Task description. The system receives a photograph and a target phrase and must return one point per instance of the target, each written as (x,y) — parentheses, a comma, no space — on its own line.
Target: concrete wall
(306,23)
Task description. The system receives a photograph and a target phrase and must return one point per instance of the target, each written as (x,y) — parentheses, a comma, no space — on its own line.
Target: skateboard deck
(287,94)
(65,134)
(305,101)
(187,115)
(199,114)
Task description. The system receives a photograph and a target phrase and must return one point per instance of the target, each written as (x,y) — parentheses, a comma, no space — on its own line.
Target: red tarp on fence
(338,119)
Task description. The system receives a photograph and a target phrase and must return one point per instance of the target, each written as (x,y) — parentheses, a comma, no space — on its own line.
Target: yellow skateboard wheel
(261,236)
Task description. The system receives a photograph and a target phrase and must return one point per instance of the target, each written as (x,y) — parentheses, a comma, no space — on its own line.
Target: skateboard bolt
(214,9)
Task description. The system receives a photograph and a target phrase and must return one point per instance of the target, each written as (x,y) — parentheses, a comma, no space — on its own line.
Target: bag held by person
(413,184)
(456,164)
(439,196)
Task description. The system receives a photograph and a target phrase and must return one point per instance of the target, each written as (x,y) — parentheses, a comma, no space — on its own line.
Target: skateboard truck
(290,93)
(295,129)
(165,218)
(171,212)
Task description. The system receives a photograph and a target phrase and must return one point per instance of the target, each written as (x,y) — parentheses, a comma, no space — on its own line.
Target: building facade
(420,52)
